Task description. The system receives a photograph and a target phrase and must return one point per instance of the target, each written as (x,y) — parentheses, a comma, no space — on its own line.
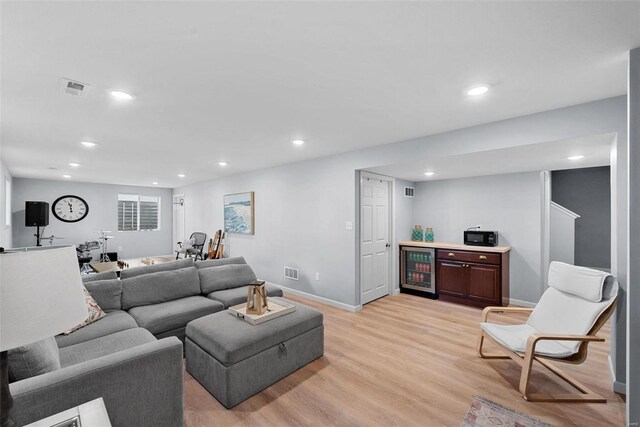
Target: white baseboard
(521,303)
(618,386)
(395,292)
(322,300)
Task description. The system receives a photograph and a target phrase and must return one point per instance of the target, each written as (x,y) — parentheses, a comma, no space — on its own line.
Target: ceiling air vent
(291,273)
(73,88)
(408,191)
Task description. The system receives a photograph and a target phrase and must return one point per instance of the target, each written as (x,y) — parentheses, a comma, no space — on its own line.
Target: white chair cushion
(514,337)
(579,281)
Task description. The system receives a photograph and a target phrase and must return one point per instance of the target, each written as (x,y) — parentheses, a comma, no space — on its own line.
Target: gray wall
(509,204)
(6,239)
(633,349)
(587,192)
(103,215)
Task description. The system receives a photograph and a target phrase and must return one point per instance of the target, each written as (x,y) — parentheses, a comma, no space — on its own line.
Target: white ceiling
(237,81)
(552,155)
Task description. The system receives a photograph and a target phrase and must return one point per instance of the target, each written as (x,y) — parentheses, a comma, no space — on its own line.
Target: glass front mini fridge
(417,270)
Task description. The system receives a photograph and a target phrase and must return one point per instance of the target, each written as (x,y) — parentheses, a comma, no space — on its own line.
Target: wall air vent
(408,191)
(291,273)
(73,88)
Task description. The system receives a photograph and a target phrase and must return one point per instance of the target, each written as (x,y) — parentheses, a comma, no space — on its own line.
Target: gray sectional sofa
(132,357)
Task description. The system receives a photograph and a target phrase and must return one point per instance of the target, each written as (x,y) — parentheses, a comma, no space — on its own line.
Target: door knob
(387,245)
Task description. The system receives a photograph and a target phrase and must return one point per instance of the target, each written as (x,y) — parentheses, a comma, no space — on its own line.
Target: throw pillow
(33,359)
(94,312)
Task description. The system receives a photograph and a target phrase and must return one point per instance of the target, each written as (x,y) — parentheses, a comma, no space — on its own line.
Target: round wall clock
(70,208)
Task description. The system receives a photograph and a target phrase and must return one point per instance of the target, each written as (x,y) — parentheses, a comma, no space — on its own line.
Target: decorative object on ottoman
(228,356)
(275,308)
(41,297)
(418,234)
(257,298)
(486,413)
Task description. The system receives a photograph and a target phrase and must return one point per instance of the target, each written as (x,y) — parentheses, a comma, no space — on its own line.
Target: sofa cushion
(225,277)
(114,321)
(103,346)
(33,359)
(230,340)
(218,262)
(154,288)
(105,275)
(231,297)
(128,273)
(170,315)
(94,312)
(107,293)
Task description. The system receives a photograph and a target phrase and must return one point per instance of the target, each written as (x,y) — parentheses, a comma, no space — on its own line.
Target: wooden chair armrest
(487,310)
(533,339)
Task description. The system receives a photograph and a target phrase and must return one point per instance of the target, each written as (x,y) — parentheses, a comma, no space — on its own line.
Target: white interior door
(374,238)
(178,220)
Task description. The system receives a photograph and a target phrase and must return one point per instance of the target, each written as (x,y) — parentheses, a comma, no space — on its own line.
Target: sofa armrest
(141,386)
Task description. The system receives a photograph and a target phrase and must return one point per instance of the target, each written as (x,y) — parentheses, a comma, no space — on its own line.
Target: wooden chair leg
(585,396)
(525,376)
(482,354)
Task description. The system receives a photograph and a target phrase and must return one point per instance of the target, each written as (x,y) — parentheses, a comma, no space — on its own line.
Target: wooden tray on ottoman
(277,308)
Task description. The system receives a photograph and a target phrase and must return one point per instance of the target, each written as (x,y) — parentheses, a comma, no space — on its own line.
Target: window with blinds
(138,213)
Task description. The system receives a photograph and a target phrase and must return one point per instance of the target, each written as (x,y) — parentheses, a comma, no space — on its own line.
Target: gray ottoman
(234,360)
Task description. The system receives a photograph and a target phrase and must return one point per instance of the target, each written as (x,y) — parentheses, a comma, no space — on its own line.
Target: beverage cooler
(418,270)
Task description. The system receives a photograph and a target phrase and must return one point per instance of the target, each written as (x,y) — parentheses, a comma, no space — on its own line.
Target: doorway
(375,236)
(178,219)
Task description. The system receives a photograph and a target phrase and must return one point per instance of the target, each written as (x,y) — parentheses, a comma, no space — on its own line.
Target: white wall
(403,222)
(301,208)
(509,204)
(103,215)
(633,325)
(6,239)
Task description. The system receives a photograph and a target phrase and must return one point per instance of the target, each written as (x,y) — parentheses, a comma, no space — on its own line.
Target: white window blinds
(138,213)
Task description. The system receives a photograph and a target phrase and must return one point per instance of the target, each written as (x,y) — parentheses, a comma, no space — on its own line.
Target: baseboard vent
(291,273)
(408,191)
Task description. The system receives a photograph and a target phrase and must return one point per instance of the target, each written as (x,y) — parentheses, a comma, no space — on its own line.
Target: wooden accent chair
(572,310)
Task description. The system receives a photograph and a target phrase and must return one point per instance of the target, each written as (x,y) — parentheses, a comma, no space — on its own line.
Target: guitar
(220,252)
(214,245)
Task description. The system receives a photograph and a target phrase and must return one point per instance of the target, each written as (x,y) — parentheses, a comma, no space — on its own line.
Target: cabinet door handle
(451,254)
(482,257)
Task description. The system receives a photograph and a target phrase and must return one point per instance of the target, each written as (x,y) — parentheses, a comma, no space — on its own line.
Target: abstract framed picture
(239,213)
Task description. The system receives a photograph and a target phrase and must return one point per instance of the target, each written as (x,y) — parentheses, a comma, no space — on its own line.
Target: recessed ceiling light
(478,90)
(429,173)
(222,163)
(88,144)
(118,94)
(74,165)
(181,175)
(154,183)
(66,176)
(297,142)
(578,157)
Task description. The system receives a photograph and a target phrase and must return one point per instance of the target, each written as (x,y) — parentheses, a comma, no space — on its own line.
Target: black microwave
(481,238)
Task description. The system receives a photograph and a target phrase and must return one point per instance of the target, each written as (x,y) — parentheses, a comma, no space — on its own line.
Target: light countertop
(457,246)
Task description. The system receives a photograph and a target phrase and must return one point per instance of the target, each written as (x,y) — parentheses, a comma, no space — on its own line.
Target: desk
(92,414)
(101,267)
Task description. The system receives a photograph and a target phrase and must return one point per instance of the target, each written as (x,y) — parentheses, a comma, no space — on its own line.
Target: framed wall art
(239,213)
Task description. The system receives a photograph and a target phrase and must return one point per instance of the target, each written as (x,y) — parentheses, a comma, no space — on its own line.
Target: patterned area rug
(485,413)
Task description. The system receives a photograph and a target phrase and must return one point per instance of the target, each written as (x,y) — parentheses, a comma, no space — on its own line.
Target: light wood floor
(404,361)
